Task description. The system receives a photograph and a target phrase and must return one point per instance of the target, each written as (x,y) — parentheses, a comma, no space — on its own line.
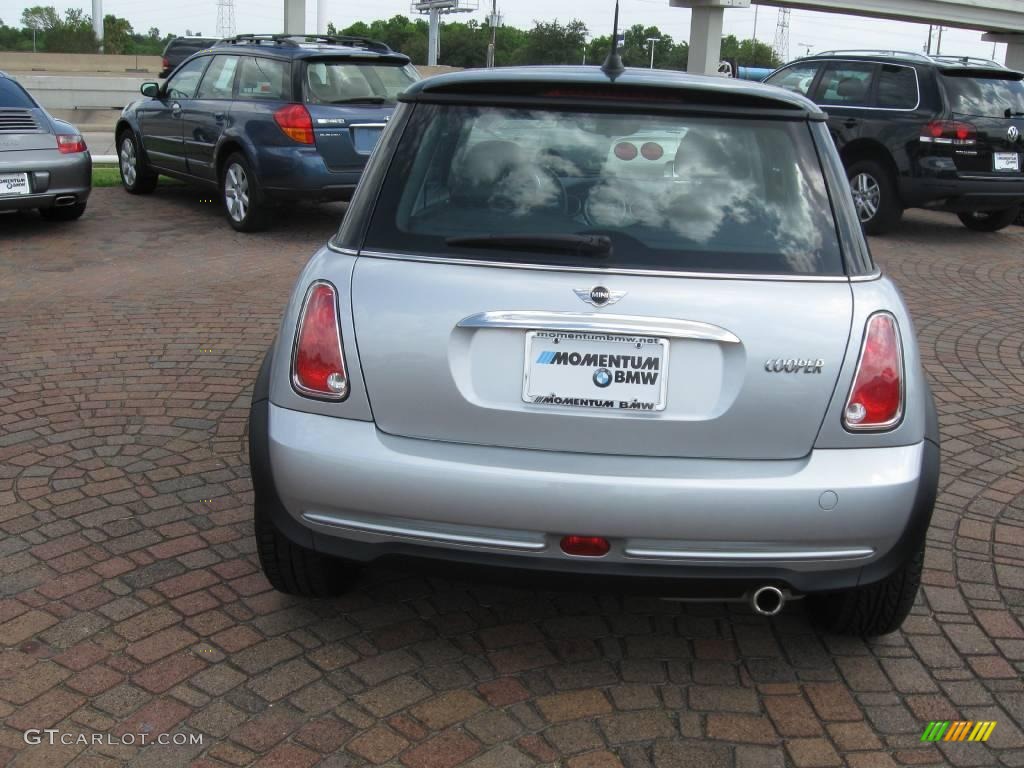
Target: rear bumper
(962,194)
(52,177)
(300,173)
(706,527)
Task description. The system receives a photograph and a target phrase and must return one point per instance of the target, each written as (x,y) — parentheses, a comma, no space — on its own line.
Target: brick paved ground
(130,600)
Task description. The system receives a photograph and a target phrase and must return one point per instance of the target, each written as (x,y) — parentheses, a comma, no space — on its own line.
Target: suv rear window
(984,96)
(342,82)
(11,95)
(671,193)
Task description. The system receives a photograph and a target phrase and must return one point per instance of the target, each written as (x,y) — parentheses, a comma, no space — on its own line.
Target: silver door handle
(175,109)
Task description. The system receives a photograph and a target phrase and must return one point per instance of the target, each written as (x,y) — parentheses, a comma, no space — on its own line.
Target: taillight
(625,151)
(652,151)
(296,123)
(70,143)
(165,63)
(949,132)
(318,363)
(876,397)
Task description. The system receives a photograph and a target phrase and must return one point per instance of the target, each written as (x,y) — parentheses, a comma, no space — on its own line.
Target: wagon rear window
(981,96)
(663,192)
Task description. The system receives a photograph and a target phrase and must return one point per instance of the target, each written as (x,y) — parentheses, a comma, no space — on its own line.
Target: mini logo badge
(599,296)
(1013,134)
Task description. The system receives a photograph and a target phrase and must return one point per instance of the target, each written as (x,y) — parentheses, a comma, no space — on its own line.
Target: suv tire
(876,609)
(136,175)
(989,221)
(241,194)
(874,194)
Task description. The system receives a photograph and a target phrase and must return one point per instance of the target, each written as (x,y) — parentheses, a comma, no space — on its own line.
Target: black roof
(545,81)
(313,46)
(944,62)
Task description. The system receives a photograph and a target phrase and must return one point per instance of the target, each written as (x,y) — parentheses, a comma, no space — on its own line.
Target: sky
(808,30)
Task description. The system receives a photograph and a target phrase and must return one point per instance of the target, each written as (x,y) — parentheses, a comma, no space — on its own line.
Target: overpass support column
(295,17)
(706,32)
(1014,47)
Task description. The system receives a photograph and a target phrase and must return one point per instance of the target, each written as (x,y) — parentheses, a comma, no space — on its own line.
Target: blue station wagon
(265,119)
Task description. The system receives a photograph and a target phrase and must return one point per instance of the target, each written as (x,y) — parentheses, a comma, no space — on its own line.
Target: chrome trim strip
(705,555)
(367,125)
(424,535)
(876,275)
(596,270)
(588,322)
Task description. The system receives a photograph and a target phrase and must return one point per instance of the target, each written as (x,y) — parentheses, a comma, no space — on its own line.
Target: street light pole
(651,42)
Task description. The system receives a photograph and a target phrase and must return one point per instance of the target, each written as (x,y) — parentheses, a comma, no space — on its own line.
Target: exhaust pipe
(65,200)
(768,601)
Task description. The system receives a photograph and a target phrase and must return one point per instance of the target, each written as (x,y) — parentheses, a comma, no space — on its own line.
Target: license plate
(1006,161)
(366,139)
(14,184)
(595,370)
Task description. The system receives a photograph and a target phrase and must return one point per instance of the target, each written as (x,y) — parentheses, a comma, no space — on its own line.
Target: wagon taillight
(295,122)
(876,397)
(949,132)
(318,362)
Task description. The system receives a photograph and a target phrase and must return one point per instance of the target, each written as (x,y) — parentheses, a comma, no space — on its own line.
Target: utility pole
(938,47)
(651,42)
(493,46)
(756,9)
(928,48)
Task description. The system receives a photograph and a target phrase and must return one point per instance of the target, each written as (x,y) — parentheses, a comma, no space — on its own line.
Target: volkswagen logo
(602,377)
(1013,134)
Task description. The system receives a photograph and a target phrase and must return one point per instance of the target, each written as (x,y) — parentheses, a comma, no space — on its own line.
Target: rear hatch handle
(586,322)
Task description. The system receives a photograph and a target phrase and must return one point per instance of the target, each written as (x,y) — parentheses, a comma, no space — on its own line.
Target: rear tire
(136,176)
(876,609)
(64,213)
(242,196)
(875,199)
(989,221)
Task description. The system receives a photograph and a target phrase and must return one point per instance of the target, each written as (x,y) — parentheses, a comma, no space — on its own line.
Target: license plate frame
(8,179)
(567,382)
(1006,162)
(362,135)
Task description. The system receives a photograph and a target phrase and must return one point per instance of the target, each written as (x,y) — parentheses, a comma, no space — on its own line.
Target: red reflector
(296,123)
(318,363)
(70,143)
(625,151)
(585,546)
(876,397)
(652,151)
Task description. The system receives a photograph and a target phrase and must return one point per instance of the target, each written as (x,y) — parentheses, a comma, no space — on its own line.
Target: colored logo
(602,377)
(546,358)
(958,730)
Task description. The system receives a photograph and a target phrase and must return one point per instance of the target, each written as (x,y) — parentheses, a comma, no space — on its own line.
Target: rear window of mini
(666,192)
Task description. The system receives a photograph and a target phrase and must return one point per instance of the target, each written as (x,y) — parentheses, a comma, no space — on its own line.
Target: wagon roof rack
(875,52)
(296,41)
(968,60)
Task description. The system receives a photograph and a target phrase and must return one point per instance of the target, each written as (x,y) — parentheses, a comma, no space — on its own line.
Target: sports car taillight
(70,143)
(318,362)
(296,123)
(876,397)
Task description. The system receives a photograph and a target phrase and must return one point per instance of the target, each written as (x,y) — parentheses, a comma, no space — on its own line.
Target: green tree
(553,43)
(117,35)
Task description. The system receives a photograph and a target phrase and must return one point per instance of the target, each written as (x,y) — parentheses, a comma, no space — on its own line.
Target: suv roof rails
(876,52)
(296,41)
(946,59)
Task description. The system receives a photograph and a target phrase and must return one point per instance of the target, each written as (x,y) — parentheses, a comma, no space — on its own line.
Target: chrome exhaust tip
(63,200)
(768,601)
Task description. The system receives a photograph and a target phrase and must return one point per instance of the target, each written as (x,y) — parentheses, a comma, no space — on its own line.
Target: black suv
(917,131)
(179,49)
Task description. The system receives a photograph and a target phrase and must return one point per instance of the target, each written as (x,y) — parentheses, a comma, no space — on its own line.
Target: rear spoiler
(986,73)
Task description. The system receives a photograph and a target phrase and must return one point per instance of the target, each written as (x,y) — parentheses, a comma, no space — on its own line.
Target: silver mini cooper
(601,329)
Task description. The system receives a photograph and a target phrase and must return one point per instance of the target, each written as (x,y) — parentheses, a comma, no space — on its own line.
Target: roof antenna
(613,66)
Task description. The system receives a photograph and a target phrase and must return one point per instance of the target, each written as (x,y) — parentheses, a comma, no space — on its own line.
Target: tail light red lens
(652,151)
(296,123)
(876,397)
(949,132)
(165,63)
(70,143)
(585,546)
(318,362)
(625,151)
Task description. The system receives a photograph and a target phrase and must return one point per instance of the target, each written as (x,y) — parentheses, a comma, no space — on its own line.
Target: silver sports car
(44,162)
(602,328)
